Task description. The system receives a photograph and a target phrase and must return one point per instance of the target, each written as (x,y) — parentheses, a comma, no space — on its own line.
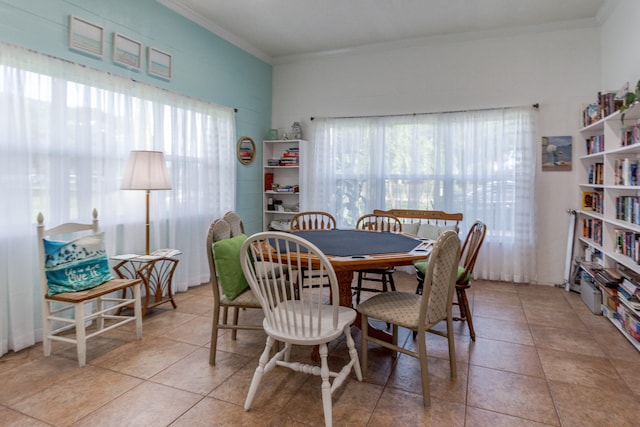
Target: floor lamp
(146,170)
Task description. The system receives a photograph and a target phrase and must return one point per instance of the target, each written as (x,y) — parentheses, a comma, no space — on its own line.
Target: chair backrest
(412,218)
(313,220)
(471,249)
(289,310)
(440,278)
(219,229)
(379,222)
(235,222)
(66,229)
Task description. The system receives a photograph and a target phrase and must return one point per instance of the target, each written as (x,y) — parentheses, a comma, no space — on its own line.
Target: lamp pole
(147,224)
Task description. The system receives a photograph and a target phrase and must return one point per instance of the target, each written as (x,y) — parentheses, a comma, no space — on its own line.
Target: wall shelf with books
(281,182)
(609,219)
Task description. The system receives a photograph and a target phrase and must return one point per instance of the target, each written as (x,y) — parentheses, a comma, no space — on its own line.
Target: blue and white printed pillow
(76,265)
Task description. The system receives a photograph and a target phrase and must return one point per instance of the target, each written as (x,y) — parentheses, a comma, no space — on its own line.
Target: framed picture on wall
(127,51)
(86,37)
(556,153)
(159,63)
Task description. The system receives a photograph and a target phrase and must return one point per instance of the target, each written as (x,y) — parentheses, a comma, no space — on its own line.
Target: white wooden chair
(68,309)
(419,313)
(309,320)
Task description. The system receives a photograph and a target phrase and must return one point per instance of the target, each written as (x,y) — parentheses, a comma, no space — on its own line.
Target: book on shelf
(587,200)
(595,144)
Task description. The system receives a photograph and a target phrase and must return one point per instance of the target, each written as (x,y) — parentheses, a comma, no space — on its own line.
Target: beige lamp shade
(146,170)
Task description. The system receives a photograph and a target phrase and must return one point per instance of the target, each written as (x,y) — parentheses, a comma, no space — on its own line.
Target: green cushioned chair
(468,256)
(230,288)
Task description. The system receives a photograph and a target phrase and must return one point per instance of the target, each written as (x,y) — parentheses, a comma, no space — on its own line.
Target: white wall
(558,69)
(620,47)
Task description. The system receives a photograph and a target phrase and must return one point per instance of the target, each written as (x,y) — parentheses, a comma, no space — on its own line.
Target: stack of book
(291,157)
(629,288)
(608,277)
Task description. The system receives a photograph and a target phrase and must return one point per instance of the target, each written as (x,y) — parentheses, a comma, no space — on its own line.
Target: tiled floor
(541,359)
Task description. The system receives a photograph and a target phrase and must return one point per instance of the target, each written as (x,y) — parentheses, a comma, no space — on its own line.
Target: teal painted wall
(204,65)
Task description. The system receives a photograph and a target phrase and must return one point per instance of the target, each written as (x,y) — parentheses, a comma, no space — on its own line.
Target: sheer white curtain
(481,163)
(65,137)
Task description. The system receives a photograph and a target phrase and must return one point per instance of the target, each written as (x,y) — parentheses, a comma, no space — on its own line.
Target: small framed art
(556,153)
(127,51)
(159,63)
(86,37)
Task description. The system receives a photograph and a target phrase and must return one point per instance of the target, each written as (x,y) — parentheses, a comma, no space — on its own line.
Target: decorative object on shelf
(159,63)
(126,51)
(630,98)
(273,134)
(296,131)
(86,37)
(146,170)
(556,153)
(246,150)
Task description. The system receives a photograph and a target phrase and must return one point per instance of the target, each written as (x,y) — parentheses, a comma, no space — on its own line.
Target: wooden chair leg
(464,307)
(359,288)
(214,334)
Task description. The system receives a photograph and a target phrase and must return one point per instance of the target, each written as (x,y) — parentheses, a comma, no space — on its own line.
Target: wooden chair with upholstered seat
(469,254)
(306,320)
(382,223)
(419,313)
(77,291)
(221,230)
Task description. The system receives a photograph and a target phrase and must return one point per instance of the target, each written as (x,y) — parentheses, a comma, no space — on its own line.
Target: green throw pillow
(76,265)
(422,268)
(226,256)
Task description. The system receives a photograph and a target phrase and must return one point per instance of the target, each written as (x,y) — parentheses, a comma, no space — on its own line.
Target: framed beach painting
(556,153)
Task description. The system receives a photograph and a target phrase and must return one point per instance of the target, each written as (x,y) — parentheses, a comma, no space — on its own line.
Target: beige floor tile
(512,394)
(559,318)
(482,417)
(401,408)
(275,390)
(515,332)
(213,412)
(196,331)
(144,358)
(194,374)
(568,340)
(573,368)
(32,377)
(352,403)
(582,406)
(496,310)
(506,356)
(406,376)
(10,418)
(148,404)
(75,395)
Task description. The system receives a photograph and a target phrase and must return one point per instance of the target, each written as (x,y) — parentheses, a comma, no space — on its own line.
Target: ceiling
(277,29)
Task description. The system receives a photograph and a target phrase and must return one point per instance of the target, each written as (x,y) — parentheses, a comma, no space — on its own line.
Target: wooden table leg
(345,277)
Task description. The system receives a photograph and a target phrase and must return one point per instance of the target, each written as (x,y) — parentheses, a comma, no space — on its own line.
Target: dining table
(351,250)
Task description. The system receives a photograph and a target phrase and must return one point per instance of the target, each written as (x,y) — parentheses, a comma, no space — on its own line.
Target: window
(480,163)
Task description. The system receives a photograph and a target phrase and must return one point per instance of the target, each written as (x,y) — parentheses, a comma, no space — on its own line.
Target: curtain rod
(536,106)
